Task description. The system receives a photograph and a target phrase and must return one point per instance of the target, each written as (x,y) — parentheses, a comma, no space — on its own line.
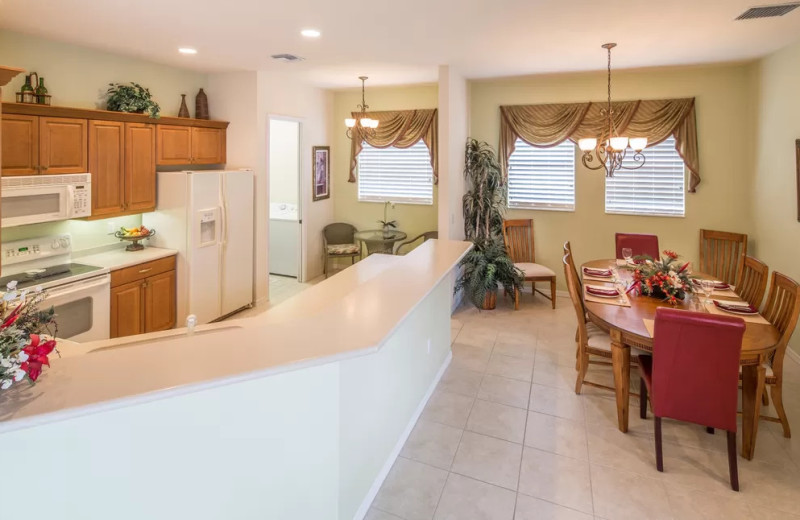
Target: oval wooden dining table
(627,328)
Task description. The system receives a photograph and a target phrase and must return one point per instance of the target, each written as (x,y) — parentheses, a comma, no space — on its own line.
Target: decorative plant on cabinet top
(488,263)
(132,98)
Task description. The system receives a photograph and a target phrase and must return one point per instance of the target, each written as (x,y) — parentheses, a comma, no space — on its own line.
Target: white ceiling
(403,41)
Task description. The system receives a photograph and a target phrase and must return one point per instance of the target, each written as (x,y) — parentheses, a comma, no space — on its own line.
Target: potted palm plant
(487,265)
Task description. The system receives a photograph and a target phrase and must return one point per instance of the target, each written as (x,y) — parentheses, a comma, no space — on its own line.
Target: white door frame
(301,190)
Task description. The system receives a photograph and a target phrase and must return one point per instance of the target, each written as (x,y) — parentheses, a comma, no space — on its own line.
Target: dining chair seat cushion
(534,270)
(343,249)
(599,339)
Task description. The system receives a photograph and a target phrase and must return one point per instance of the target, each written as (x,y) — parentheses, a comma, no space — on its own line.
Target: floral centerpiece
(661,278)
(26,335)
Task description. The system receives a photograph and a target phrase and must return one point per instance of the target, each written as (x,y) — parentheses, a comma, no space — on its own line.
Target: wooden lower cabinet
(143,298)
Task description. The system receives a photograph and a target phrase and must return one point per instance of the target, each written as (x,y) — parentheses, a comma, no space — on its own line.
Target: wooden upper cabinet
(63,146)
(174,145)
(107,166)
(179,145)
(20,145)
(208,146)
(140,167)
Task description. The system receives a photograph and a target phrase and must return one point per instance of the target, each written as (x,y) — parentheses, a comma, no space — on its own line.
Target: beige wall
(774,188)
(721,201)
(412,218)
(78,77)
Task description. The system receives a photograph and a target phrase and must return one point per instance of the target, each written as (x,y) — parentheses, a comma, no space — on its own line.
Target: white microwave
(45,198)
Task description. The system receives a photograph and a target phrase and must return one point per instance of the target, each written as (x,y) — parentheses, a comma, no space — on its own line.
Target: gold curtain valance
(401,129)
(549,125)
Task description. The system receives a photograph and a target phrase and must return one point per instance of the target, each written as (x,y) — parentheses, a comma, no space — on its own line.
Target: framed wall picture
(321,174)
(797,158)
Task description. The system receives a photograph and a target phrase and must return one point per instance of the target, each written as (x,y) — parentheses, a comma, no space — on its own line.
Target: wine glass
(627,254)
(708,288)
(619,284)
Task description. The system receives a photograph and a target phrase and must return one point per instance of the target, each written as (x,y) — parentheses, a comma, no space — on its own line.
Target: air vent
(768,11)
(289,58)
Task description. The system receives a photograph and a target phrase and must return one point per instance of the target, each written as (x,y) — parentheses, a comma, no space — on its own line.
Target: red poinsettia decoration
(34,356)
(662,278)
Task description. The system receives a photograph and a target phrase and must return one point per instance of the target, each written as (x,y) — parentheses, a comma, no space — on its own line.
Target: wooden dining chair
(753,281)
(692,375)
(640,245)
(781,309)
(518,237)
(722,254)
(591,340)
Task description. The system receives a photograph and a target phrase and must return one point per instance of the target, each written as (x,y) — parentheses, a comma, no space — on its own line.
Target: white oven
(82,308)
(44,198)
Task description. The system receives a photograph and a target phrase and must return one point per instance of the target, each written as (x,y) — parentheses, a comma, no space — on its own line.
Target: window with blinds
(657,188)
(542,178)
(403,175)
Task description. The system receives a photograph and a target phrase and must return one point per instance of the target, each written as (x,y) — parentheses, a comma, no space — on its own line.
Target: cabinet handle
(142,271)
(144,284)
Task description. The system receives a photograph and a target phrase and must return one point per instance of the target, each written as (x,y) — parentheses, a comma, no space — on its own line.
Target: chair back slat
(576,296)
(696,367)
(575,276)
(753,282)
(518,236)
(640,245)
(722,254)
(782,309)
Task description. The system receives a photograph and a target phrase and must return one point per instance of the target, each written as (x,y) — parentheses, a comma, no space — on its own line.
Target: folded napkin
(736,308)
(598,273)
(720,286)
(603,292)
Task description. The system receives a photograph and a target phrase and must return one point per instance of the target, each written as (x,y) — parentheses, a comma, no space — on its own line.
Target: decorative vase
(201,105)
(490,300)
(184,110)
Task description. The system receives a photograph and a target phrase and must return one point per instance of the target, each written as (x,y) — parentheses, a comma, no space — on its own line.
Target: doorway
(285,204)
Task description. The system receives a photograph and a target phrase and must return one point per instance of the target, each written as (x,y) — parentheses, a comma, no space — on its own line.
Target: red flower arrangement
(662,278)
(24,348)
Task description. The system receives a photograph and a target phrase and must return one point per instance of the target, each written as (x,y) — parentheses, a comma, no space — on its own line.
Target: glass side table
(380,241)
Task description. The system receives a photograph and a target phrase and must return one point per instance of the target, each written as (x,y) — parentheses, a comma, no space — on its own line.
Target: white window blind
(401,175)
(542,178)
(657,188)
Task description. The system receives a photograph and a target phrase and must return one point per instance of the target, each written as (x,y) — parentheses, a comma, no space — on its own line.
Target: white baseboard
(376,486)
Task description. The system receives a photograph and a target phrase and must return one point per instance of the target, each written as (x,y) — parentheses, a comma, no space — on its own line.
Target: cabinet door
(63,146)
(208,146)
(127,310)
(159,306)
(107,166)
(20,145)
(140,167)
(174,144)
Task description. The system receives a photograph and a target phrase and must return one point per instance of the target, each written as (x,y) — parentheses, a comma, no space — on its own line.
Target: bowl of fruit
(134,235)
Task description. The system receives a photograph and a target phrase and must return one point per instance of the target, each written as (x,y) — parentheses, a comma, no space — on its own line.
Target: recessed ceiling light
(187,50)
(310,33)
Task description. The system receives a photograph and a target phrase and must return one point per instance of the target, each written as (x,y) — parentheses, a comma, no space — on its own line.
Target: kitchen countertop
(350,314)
(118,258)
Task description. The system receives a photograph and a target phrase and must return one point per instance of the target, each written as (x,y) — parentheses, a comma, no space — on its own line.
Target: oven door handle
(78,286)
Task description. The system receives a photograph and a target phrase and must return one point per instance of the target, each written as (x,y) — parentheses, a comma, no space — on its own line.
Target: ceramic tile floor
(281,288)
(505,437)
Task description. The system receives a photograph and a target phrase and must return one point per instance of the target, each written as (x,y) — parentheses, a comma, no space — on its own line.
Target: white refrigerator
(208,217)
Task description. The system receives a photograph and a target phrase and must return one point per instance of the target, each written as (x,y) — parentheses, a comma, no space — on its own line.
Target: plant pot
(490,301)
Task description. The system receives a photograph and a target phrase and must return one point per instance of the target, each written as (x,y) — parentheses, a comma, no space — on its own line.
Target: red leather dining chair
(693,375)
(639,244)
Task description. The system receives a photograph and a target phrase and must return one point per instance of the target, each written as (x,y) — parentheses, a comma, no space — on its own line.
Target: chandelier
(610,149)
(362,122)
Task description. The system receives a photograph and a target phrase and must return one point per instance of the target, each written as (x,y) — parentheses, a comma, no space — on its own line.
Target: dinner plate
(718,286)
(598,273)
(735,309)
(602,293)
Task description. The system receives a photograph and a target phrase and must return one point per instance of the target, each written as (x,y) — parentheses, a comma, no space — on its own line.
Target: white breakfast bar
(296,413)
